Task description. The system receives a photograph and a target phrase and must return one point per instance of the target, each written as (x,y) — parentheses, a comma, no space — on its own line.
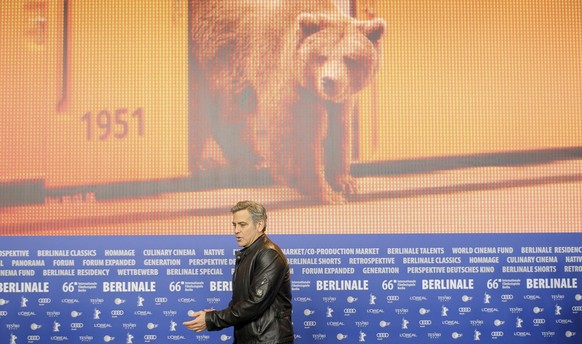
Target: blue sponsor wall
(441,288)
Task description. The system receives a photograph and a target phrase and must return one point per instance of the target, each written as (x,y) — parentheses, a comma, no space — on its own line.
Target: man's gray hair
(257,211)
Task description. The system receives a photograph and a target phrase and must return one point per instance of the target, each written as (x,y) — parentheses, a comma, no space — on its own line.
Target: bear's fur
(277,80)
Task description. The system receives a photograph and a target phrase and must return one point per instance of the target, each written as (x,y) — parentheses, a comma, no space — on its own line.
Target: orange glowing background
(116,71)
(457,78)
(470,77)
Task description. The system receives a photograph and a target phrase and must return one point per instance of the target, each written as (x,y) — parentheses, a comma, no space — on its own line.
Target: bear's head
(337,55)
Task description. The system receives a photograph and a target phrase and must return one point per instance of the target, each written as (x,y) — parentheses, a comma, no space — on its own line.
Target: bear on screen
(274,83)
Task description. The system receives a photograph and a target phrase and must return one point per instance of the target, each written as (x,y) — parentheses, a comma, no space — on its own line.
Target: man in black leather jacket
(260,309)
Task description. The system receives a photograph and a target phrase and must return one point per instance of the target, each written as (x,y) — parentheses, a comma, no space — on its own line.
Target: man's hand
(197,324)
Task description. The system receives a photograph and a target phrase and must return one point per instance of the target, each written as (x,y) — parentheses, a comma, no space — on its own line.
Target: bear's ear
(373,29)
(310,23)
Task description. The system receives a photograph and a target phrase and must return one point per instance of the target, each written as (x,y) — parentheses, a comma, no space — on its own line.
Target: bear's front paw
(329,196)
(346,185)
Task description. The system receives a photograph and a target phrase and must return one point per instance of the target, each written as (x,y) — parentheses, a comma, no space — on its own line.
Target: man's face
(245,230)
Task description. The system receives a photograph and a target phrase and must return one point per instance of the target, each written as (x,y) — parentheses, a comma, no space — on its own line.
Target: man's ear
(261,225)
